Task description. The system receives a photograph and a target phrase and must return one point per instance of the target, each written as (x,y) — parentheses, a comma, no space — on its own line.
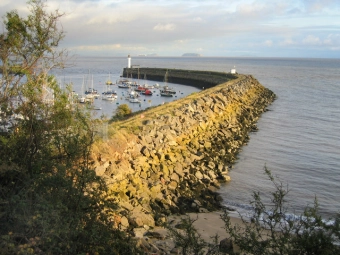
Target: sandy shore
(209,224)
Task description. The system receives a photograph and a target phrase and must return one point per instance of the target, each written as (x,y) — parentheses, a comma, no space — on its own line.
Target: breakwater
(172,158)
(198,79)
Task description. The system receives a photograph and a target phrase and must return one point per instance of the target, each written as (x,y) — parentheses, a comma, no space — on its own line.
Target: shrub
(271,231)
(122,111)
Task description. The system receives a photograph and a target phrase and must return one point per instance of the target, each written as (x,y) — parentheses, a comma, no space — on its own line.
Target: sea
(298,138)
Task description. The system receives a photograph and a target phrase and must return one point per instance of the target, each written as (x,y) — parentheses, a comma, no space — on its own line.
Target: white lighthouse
(129,61)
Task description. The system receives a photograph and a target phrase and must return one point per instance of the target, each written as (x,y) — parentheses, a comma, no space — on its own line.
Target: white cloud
(311,40)
(164,27)
(198,19)
(97,47)
(210,27)
(268,43)
(181,41)
(288,42)
(333,39)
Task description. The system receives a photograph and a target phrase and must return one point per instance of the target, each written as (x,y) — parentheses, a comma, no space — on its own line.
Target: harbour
(103,105)
(296,139)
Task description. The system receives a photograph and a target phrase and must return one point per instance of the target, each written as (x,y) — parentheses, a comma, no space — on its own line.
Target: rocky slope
(176,155)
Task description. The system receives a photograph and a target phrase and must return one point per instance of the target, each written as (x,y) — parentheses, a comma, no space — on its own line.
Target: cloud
(312,40)
(198,19)
(212,27)
(97,47)
(181,41)
(268,43)
(164,27)
(287,42)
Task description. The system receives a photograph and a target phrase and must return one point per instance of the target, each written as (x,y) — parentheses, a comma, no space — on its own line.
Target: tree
(51,201)
(122,111)
(28,47)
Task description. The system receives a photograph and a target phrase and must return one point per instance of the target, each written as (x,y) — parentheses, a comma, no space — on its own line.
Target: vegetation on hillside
(123,111)
(51,201)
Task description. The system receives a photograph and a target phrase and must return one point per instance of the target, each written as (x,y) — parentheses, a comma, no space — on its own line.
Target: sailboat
(166,91)
(109,82)
(109,94)
(145,85)
(91,92)
(82,99)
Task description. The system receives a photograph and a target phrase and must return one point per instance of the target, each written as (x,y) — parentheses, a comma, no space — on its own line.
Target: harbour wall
(198,79)
(172,158)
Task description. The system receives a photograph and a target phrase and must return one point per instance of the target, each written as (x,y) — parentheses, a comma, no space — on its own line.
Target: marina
(105,99)
(296,139)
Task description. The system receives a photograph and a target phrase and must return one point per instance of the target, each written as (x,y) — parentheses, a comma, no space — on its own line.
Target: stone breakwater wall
(175,159)
(195,78)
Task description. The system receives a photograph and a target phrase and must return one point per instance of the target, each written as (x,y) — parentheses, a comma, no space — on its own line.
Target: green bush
(122,111)
(272,232)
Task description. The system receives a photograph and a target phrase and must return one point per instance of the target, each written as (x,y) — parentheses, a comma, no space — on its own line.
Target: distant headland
(191,55)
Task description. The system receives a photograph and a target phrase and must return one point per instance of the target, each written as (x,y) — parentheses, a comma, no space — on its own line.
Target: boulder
(139,219)
(124,223)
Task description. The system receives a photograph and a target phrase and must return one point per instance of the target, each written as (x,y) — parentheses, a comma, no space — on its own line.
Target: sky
(216,28)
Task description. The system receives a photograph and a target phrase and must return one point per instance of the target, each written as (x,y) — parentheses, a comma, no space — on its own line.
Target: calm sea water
(298,139)
(91,72)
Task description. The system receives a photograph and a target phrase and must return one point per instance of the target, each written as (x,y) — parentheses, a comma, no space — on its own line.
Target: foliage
(271,231)
(28,46)
(122,111)
(51,201)
(274,231)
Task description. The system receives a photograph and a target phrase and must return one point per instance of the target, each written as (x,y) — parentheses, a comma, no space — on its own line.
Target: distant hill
(191,55)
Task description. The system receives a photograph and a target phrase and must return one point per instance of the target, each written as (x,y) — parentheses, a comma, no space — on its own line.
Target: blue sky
(228,28)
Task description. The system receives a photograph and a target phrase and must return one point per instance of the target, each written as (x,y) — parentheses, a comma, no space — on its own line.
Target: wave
(247,212)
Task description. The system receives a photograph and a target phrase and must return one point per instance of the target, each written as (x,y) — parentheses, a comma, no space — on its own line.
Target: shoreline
(208,225)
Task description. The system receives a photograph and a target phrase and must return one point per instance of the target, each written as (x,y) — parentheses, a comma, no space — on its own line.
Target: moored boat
(110,97)
(123,86)
(134,100)
(166,89)
(147,92)
(140,89)
(166,94)
(109,82)
(148,86)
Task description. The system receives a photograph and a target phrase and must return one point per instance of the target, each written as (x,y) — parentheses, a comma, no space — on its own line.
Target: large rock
(140,219)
